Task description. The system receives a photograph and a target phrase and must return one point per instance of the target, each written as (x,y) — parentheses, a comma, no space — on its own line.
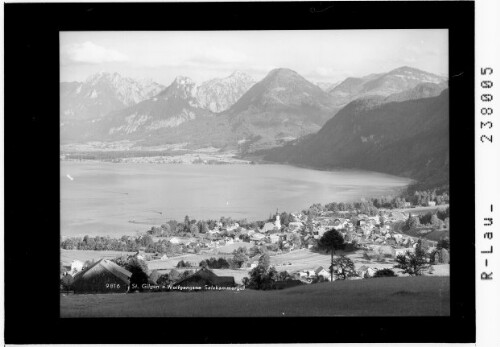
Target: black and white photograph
(249,173)
(254,173)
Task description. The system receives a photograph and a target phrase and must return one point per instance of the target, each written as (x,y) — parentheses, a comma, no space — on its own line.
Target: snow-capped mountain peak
(102,93)
(219,94)
(182,88)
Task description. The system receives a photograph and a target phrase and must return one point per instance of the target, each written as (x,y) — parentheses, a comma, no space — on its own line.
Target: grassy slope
(402,296)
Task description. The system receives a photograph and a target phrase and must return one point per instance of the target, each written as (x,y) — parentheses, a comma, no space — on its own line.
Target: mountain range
(247,115)
(384,85)
(408,138)
(101,94)
(219,94)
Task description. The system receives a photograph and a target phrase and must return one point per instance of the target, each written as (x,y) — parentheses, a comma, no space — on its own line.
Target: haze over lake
(99,198)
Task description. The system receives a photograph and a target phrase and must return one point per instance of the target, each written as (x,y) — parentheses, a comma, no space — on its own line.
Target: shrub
(183,263)
(444,243)
(413,263)
(385,273)
(440,256)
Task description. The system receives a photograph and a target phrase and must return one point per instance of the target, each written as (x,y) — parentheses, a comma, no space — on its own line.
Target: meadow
(68,255)
(400,296)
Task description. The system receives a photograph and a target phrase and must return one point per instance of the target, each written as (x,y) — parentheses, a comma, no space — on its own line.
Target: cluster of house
(105,276)
(367,232)
(362,229)
(310,275)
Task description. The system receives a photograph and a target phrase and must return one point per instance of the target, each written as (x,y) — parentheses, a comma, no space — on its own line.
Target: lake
(99,198)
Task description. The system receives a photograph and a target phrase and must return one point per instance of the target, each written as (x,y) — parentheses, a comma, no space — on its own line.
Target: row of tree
(370,206)
(437,220)
(123,244)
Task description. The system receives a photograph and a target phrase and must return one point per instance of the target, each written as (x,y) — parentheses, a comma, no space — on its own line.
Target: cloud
(89,52)
(215,55)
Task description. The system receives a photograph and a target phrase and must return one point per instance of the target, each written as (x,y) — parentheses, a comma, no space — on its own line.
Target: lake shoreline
(150,194)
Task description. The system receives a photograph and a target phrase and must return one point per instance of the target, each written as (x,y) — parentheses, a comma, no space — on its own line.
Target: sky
(318,55)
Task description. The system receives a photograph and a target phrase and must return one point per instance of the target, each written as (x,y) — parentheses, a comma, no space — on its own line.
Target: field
(423,209)
(400,296)
(302,259)
(67,256)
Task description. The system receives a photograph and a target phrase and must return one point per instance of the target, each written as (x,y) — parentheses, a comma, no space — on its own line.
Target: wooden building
(103,276)
(205,277)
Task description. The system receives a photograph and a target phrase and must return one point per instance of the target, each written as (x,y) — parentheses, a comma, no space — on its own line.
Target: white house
(398,237)
(175,240)
(257,237)
(268,227)
(366,230)
(76,266)
(365,272)
(320,271)
(164,257)
(233,227)
(274,238)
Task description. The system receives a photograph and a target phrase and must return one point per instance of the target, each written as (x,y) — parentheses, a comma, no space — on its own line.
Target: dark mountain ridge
(383,84)
(408,138)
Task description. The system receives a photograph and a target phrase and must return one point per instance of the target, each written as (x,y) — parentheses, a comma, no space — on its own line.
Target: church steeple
(277,223)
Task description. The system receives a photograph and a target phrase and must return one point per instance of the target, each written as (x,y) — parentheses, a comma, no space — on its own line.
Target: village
(224,252)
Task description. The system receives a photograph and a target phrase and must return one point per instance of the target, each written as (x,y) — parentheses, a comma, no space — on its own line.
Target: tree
(173,275)
(139,270)
(254,251)
(262,278)
(440,256)
(193,229)
(284,218)
(411,222)
(69,243)
(436,222)
(183,263)
(187,224)
(331,241)
(240,256)
(444,243)
(264,260)
(163,280)
(343,268)
(296,241)
(203,264)
(146,240)
(185,274)
(222,263)
(413,263)
(284,276)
